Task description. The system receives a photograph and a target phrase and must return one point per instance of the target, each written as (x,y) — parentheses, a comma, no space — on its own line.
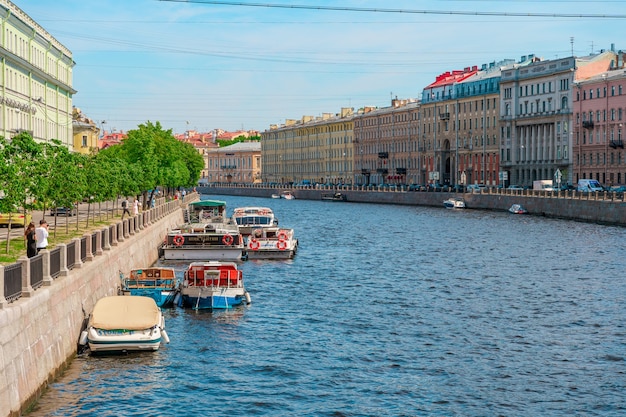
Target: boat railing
(215,278)
(148,283)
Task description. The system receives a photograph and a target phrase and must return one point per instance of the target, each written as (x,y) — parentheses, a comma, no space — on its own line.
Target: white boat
(272,243)
(287,195)
(125,324)
(454,203)
(206,235)
(276,196)
(213,285)
(249,218)
(517,209)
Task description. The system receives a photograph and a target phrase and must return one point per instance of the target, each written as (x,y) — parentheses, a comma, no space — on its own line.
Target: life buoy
(254,244)
(282,236)
(228,240)
(179,240)
(281,245)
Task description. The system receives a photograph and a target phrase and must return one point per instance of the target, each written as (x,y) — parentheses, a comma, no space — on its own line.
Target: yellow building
(86,133)
(319,150)
(35,79)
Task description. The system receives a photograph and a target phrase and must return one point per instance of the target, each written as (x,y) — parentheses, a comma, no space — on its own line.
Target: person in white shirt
(42,235)
(136,207)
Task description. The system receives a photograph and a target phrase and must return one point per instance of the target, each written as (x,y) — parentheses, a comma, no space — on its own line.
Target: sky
(247,65)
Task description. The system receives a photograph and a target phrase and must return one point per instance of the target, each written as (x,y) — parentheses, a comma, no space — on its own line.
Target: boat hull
(232,254)
(163,297)
(271,249)
(203,298)
(110,341)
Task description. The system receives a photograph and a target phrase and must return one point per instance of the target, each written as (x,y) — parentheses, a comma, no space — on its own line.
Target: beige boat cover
(125,312)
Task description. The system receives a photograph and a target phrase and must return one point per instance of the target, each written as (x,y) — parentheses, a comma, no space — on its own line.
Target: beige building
(319,150)
(237,163)
(36,79)
(86,133)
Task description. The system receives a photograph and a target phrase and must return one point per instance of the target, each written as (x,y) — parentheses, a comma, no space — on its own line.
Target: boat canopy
(125,312)
(208,203)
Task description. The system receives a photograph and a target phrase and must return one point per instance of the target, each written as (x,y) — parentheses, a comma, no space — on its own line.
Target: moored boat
(272,243)
(334,196)
(517,209)
(454,203)
(158,283)
(213,285)
(125,324)
(287,195)
(249,218)
(206,235)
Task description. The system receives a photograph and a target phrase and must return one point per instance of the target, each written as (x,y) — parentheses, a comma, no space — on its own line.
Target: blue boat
(158,283)
(213,285)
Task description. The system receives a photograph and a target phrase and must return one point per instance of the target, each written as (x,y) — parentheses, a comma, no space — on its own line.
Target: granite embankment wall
(39,333)
(604,208)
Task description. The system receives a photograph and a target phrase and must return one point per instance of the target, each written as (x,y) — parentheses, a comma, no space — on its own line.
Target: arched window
(564,103)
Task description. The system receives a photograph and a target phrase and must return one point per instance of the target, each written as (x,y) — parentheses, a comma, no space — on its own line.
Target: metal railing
(14,279)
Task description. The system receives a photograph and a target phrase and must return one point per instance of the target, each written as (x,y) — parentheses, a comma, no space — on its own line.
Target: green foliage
(223,142)
(49,175)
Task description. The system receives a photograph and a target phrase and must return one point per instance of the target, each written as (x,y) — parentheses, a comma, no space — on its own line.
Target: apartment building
(386,144)
(316,149)
(599,117)
(536,114)
(36,79)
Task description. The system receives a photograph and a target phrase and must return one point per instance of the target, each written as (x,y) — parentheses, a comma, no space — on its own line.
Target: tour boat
(249,218)
(158,283)
(206,235)
(518,209)
(213,285)
(271,243)
(287,195)
(454,203)
(125,324)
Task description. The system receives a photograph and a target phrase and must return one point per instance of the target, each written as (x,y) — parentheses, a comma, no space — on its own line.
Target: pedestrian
(41,234)
(31,240)
(153,203)
(125,208)
(136,207)
(184,194)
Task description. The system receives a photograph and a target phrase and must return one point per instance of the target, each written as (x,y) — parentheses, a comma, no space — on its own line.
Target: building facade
(237,163)
(85,132)
(599,117)
(318,150)
(36,80)
(386,144)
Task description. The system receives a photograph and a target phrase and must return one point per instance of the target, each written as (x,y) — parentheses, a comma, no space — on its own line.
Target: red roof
(451,77)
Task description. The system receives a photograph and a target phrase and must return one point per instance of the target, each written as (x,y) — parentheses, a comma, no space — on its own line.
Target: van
(589,186)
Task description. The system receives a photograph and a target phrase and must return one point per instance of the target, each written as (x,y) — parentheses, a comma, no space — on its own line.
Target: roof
(125,312)
(208,203)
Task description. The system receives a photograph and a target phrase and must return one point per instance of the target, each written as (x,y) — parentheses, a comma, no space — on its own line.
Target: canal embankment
(600,207)
(39,330)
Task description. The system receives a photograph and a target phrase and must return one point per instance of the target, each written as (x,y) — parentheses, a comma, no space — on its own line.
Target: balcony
(383,171)
(228,167)
(587,124)
(616,144)
(444,116)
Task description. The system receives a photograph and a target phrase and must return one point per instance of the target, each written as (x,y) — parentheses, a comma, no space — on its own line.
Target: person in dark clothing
(125,208)
(31,240)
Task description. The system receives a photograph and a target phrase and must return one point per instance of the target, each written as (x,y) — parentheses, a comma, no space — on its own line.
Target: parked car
(515,187)
(64,211)
(17,219)
(458,188)
(476,188)
(417,187)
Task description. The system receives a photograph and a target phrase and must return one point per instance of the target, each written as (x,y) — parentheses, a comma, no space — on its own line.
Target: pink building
(599,117)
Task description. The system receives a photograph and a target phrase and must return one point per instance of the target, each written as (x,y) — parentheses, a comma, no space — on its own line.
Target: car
(458,188)
(64,211)
(417,187)
(618,189)
(476,188)
(17,219)
(515,187)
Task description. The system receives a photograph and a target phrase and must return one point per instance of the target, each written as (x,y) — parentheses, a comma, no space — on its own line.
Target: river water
(389,311)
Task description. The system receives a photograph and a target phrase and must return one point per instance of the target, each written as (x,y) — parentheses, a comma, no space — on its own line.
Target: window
(84,141)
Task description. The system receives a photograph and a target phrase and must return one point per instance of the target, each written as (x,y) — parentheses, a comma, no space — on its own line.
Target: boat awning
(208,203)
(125,312)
